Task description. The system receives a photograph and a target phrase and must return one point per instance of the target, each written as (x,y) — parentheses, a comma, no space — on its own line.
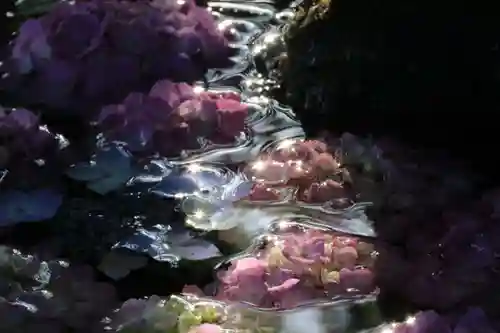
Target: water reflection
(213,194)
(249,219)
(210,184)
(297,263)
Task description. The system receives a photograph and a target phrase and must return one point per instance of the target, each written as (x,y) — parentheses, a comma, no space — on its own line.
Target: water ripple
(210,183)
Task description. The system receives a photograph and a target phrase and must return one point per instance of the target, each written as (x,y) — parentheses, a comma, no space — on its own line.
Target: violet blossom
(23,138)
(172,117)
(85,54)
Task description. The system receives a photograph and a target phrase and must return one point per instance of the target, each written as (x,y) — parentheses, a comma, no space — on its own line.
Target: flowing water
(209,185)
(156,224)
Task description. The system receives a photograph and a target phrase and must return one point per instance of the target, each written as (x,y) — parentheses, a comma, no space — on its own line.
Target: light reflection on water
(212,190)
(210,183)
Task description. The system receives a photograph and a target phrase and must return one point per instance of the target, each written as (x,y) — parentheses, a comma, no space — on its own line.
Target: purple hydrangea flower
(28,168)
(84,54)
(22,138)
(172,117)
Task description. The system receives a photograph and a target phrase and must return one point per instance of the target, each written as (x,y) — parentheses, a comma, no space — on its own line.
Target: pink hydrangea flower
(172,117)
(298,267)
(304,166)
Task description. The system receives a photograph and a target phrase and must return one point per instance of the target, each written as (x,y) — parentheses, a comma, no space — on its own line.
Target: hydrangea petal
(28,206)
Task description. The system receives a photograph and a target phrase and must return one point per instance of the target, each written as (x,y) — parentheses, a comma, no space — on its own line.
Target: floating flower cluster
(433,254)
(50,296)
(304,169)
(173,117)
(300,265)
(84,54)
(297,176)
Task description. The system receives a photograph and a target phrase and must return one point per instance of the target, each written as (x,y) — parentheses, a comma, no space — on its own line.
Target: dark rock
(8,25)
(425,73)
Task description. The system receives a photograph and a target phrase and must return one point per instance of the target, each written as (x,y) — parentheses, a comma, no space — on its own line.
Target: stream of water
(208,189)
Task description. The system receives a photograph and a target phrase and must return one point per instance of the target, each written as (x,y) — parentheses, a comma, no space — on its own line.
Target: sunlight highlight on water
(211,182)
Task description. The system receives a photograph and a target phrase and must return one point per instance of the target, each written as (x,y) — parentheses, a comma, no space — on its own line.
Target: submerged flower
(299,267)
(85,54)
(172,117)
(302,165)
